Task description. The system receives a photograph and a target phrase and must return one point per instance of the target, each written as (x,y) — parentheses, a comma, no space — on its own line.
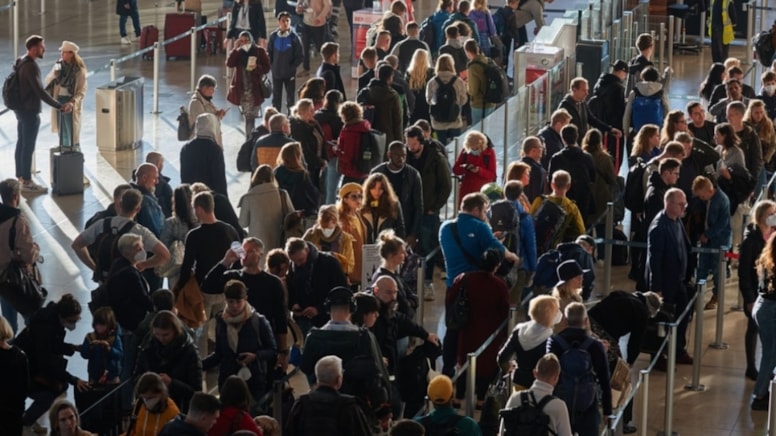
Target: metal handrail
(104,397)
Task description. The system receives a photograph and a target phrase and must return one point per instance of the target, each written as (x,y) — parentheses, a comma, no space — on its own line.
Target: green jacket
(441,414)
(435,173)
(477,81)
(388,110)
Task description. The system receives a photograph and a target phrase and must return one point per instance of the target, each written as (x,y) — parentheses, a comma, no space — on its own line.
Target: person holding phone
(251,63)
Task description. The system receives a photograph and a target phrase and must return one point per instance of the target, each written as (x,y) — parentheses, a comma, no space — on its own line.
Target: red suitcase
(175,24)
(148,36)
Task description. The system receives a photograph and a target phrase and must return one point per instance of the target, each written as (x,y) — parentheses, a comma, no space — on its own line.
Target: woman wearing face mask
(251,63)
(327,235)
(755,236)
(380,209)
(153,406)
(476,165)
(44,342)
(170,352)
(129,293)
(569,287)
(245,345)
(488,294)
(527,342)
(768,93)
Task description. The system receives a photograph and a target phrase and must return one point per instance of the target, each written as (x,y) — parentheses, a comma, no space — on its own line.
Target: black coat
(667,249)
(326,412)
(621,313)
(333,78)
(611,92)
(128,294)
(751,247)
(553,143)
(312,144)
(179,359)
(389,329)
(43,340)
(270,140)
(202,160)
(583,121)
(255,18)
(310,286)
(411,197)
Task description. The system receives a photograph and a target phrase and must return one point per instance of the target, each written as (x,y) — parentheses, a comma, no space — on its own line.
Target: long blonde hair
(290,156)
(764,128)
(444,63)
(641,141)
(417,71)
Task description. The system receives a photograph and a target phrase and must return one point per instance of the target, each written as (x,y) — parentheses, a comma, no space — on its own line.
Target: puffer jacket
(460,93)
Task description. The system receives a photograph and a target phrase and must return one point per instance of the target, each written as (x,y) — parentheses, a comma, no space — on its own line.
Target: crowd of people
(238,285)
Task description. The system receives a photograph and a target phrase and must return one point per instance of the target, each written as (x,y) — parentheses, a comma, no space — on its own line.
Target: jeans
(445,136)
(10,314)
(277,93)
(135,20)
(27,127)
(429,231)
(42,399)
(477,115)
(764,312)
(213,303)
(312,35)
(586,423)
(709,263)
(750,338)
(719,51)
(65,125)
(332,181)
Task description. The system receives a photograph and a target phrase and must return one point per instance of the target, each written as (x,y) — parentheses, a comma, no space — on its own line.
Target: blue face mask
(475,152)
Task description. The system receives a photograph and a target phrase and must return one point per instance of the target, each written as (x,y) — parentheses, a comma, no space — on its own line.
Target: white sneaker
(34,188)
(125,40)
(428,292)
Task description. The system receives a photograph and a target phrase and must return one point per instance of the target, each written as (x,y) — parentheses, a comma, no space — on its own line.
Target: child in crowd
(102,348)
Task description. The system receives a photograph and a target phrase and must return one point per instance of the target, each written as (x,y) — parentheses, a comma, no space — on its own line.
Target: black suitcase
(67,169)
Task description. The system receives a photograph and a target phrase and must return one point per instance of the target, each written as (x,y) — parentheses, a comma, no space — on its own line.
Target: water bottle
(238,249)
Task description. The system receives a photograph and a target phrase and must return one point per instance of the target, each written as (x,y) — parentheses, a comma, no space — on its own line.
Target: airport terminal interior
(722,409)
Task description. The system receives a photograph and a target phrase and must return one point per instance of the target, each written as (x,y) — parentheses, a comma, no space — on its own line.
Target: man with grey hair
(127,290)
(267,147)
(582,362)
(325,411)
(14,234)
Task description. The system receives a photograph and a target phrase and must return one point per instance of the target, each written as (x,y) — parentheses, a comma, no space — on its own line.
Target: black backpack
(446,109)
(105,247)
(496,83)
(370,151)
(503,216)
(634,187)
(527,419)
(12,93)
(577,384)
(447,428)
(763,47)
(549,220)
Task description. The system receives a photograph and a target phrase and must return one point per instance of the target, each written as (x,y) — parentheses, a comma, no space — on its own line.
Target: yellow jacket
(573,225)
(342,240)
(727,25)
(151,423)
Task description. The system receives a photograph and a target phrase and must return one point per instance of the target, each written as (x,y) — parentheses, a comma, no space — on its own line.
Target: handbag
(495,399)
(19,283)
(266,86)
(173,266)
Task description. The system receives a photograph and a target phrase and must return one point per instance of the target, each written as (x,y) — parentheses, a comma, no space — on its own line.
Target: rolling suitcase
(175,24)
(67,168)
(148,36)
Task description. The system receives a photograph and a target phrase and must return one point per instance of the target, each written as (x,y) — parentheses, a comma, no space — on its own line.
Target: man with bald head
(150,215)
(163,192)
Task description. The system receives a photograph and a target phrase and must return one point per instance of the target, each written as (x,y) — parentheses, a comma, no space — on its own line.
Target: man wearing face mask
(127,290)
(768,93)
(407,185)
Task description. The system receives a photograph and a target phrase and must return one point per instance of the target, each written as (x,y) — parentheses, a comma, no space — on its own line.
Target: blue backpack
(647,110)
(577,381)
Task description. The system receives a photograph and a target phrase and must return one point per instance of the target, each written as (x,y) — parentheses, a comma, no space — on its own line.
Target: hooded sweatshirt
(646,89)
(202,160)
(611,92)
(527,344)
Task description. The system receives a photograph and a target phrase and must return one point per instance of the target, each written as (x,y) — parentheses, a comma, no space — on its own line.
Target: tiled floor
(723,409)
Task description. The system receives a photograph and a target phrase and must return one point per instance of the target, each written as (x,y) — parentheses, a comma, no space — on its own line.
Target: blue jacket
(150,215)
(101,359)
(476,237)
(438,19)
(718,228)
(527,238)
(667,248)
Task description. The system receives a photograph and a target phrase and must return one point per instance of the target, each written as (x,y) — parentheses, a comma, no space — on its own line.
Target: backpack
(12,93)
(184,128)
(496,83)
(446,109)
(763,47)
(106,247)
(546,269)
(527,419)
(634,187)
(370,151)
(457,315)
(427,32)
(646,110)
(549,220)
(577,384)
(447,428)
(503,216)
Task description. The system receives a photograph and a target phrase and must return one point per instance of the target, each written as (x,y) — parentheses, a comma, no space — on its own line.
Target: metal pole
(470,384)
(762,14)
(277,400)
(15,30)
(506,134)
(662,45)
(601,26)
(113,70)
(702,33)
(670,39)
(669,408)
(512,318)
(644,376)
(749,52)
(608,252)
(157,54)
(419,291)
(771,411)
(193,61)
(720,287)
(589,21)
(456,184)
(700,290)
(42,7)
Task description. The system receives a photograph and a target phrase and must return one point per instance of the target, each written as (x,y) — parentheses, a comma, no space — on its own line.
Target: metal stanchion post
(16,30)
(471,374)
(644,379)
(702,33)
(720,287)
(669,41)
(506,135)
(419,289)
(609,235)
(157,54)
(513,311)
(700,289)
(112,70)
(749,52)
(193,60)
(771,411)
(42,7)
(456,185)
(762,15)
(661,45)
(670,375)
(277,400)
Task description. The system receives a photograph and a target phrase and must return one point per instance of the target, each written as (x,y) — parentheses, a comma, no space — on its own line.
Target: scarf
(234,324)
(67,77)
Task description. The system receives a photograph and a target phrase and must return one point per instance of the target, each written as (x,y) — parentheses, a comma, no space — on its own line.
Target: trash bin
(120,114)
(593,54)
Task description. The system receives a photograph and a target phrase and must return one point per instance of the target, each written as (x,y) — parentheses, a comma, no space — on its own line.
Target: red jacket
(472,182)
(348,146)
(238,59)
(233,419)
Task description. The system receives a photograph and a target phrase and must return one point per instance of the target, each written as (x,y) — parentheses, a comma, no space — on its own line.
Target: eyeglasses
(356,196)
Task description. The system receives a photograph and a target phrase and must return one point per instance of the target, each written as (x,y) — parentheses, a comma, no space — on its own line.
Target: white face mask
(771,221)
(246,48)
(141,256)
(70,326)
(475,152)
(770,89)
(558,318)
(327,232)
(151,403)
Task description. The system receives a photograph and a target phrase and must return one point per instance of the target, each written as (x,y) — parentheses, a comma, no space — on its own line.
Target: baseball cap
(620,65)
(440,389)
